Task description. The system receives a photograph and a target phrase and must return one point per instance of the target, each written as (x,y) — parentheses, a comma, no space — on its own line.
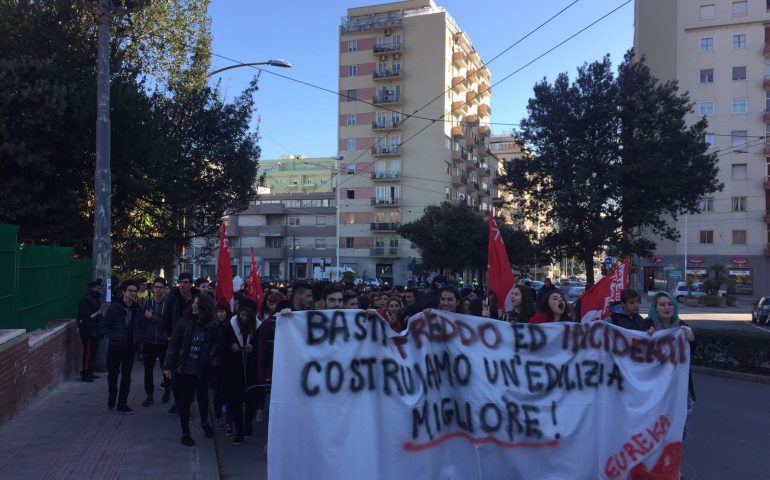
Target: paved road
(728,435)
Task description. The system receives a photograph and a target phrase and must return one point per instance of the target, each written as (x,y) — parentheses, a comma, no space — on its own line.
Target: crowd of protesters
(207,350)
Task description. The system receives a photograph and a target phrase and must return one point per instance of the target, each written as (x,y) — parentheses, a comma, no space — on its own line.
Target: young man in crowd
(123,328)
(626,313)
(179,300)
(155,340)
(90,327)
(332,297)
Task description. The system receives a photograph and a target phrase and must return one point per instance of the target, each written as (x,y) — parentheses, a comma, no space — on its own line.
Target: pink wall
(363,44)
(365,192)
(364,167)
(361,119)
(363,242)
(364,143)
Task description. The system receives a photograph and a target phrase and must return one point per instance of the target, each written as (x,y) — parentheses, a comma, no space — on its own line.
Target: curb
(746,377)
(205,460)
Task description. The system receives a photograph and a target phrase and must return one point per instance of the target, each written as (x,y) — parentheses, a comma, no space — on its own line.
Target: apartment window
(352,70)
(739,105)
(739,204)
(709,139)
(351,193)
(352,95)
(320,220)
(739,237)
(707,236)
(707,44)
(740,9)
(350,169)
(320,243)
(739,41)
(351,119)
(706,12)
(739,171)
(349,242)
(738,138)
(293,221)
(739,73)
(351,144)
(706,204)
(352,45)
(706,108)
(707,75)
(274,242)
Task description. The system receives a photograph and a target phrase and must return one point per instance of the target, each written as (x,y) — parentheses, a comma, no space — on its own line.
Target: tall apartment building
(398,59)
(718,51)
(291,225)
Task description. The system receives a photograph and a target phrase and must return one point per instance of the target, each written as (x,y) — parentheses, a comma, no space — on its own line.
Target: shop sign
(655,259)
(739,273)
(691,271)
(696,260)
(740,260)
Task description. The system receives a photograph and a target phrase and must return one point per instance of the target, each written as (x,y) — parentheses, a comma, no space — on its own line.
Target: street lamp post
(274,63)
(337,165)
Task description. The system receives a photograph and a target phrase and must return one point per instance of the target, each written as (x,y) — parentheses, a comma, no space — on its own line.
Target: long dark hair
(544,306)
(205,308)
(527,307)
(251,326)
(453,291)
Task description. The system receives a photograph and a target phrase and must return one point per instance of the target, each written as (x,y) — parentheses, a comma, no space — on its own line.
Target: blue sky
(299,119)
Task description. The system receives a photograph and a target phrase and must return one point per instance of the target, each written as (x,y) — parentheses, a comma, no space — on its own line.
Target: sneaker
(238,440)
(174,409)
(125,409)
(166,394)
(207,430)
(86,379)
(228,430)
(111,403)
(249,431)
(147,401)
(220,424)
(95,377)
(260,415)
(187,441)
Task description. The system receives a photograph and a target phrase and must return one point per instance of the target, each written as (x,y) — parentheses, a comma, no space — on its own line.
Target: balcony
(484,89)
(394,47)
(485,110)
(471,98)
(386,74)
(384,227)
(456,107)
(384,150)
(385,252)
(484,130)
(387,99)
(459,59)
(766,183)
(385,176)
(766,51)
(485,74)
(766,82)
(459,179)
(472,119)
(474,55)
(457,131)
(458,84)
(386,125)
(767,216)
(483,170)
(385,201)
(766,117)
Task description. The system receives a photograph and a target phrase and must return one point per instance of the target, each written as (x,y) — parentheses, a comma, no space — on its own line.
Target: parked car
(680,293)
(761,311)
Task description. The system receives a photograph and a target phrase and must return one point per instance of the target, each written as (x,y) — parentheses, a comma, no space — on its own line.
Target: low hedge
(712,300)
(736,350)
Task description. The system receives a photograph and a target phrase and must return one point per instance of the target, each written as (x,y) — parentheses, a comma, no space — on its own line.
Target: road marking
(759,328)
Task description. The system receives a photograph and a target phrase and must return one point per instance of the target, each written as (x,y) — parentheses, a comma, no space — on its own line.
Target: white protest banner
(471,398)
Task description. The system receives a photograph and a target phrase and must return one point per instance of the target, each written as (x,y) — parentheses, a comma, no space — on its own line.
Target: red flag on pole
(254,290)
(224,290)
(499,273)
(595,302)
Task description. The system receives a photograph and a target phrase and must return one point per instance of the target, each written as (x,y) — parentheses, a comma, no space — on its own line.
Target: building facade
(397,62)
(717,50)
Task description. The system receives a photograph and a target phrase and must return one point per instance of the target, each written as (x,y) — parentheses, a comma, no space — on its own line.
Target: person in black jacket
(177,302)
(240,371)
(90,327)
(123,327)
(189,355)
(155,339)
(626,313)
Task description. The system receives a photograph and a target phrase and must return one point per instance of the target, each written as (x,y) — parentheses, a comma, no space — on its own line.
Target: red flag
(499,274)
(595,302)
(224,290)
(254,290)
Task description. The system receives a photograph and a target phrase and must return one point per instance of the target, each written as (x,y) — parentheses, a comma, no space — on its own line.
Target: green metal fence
(38,283)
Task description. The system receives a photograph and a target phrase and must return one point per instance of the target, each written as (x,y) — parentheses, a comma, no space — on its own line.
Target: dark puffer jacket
(179,347)
(622,319)
(116,325)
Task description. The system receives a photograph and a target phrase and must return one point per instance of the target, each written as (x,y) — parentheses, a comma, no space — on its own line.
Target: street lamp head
(279,63)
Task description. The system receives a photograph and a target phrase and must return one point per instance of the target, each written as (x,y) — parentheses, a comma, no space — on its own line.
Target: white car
(697,291)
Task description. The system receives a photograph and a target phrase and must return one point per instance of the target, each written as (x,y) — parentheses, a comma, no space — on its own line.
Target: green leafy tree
(609,157)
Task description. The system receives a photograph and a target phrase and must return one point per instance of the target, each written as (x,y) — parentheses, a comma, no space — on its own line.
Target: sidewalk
(70,434)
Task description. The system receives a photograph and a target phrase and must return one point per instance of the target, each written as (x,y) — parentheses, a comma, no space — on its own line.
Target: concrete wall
(35,363)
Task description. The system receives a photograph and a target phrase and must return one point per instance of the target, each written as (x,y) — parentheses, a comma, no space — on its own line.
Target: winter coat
(240,368)
(116,324)
(179,347)
(89,316)
(154,327)
(620,318)
(175,308)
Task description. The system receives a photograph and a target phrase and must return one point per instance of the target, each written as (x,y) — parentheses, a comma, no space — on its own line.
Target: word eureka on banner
(461,397)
